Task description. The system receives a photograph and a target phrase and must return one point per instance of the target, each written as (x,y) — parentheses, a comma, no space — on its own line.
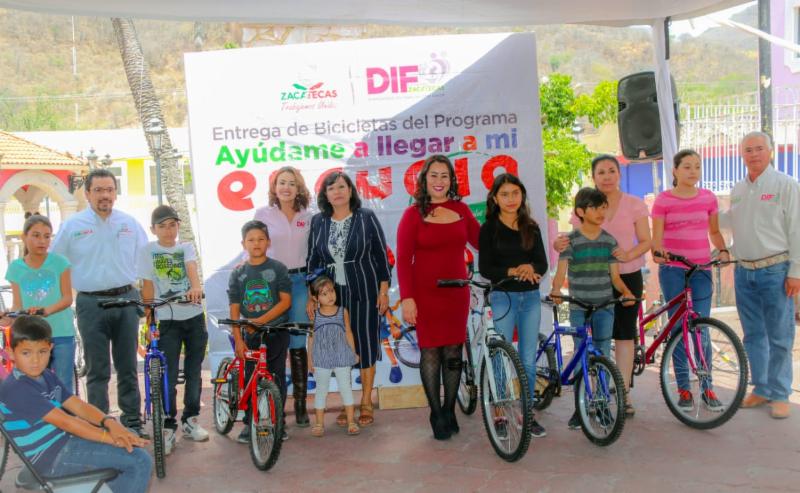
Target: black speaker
(638,117)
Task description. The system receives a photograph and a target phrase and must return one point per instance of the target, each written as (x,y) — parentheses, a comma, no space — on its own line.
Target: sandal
(317,430)
(366,418)
(353,429)
(629,411)
(341,419)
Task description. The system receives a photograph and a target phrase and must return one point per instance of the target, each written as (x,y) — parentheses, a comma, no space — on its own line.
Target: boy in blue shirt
(57,431)
(260,290)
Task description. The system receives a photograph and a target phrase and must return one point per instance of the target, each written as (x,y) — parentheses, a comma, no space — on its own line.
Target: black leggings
(439,364)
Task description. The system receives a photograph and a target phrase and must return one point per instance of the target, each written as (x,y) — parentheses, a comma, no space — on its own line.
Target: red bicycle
(260,394)
(703,357)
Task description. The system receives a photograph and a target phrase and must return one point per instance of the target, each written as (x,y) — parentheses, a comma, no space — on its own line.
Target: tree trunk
(148,107)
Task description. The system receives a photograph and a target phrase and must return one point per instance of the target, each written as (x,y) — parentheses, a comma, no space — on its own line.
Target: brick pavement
(656,453)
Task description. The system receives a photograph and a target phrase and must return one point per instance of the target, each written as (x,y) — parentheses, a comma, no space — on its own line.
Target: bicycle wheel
(266,431)
(718,385)
(467,396)
(601,407)
(406,347)
(225,397)
(506,416)
(80,360)
(79,383)
(4,446)
(547,377)
(157,402)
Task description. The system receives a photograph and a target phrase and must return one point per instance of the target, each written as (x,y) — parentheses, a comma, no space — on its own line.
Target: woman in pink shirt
(288,220)
(684,218)
(627,221)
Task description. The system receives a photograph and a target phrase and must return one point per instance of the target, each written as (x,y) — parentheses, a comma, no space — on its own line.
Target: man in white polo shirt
(765,219)
(102,244)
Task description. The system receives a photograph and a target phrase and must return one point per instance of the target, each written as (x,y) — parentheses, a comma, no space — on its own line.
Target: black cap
(162,213)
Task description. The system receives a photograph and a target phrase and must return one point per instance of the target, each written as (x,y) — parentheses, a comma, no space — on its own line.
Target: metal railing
(714,130)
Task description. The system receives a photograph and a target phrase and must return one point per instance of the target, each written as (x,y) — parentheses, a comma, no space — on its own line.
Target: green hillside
(42,89)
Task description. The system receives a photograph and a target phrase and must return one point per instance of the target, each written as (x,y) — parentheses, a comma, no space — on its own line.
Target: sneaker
(711,401)
(685,401)
(538,430)
(244,436)
(193,430)
(169,440)
(395,374)
(139,431)
(574,422)
(311,384)
(284,435)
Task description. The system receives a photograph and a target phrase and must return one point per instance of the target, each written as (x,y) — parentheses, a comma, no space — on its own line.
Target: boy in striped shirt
(592,269)
(58,432)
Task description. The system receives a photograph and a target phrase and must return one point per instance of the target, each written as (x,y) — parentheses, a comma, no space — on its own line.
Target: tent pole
(764,68)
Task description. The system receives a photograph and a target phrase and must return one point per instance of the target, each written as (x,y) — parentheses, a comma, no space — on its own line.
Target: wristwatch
(103,421)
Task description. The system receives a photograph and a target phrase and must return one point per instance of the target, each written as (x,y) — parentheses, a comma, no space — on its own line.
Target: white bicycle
(503,383)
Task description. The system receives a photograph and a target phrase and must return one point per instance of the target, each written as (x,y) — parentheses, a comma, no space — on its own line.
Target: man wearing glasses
(102,245)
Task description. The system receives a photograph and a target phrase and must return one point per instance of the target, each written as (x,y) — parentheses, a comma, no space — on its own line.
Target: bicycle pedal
(219,380)
(263,433)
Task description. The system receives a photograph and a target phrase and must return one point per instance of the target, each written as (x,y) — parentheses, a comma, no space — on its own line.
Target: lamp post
(91,159)
(77,181)
(155,132)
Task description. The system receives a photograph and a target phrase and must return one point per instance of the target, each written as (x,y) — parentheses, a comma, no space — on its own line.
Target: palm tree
(149,109)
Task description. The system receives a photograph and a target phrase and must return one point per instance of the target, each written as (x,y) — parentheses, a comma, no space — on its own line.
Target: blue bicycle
(599,387)
(156,386)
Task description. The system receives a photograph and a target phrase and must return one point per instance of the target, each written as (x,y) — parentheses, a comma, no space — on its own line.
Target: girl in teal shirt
(41,280)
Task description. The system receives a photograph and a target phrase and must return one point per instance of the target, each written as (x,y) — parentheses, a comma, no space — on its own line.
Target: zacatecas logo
(313,97)
(313,92)
(422,78)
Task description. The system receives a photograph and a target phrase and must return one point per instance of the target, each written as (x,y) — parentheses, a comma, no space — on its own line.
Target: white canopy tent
(415,12)
(443,12)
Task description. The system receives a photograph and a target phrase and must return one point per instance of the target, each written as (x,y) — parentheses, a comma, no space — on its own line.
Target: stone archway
(43,180)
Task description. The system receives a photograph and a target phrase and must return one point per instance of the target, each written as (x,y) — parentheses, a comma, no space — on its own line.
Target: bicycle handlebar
(18,313)
(297,328)
(460,283)
(688,263)
(590,306)
(154,303)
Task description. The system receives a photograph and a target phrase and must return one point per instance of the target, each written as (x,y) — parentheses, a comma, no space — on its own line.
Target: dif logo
(397,79)
(424,77)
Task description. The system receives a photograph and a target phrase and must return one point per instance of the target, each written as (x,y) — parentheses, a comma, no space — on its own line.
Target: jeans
(522,310)
(672,279)
(192,335)
(62,361)
(79,455)
(767,316)
(602,328)
(297,312)
(119,329)
(323,377)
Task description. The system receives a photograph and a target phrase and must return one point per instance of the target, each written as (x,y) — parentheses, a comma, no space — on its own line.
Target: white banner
(375,108)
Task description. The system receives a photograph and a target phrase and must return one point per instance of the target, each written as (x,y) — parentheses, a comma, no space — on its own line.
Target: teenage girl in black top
(511,246)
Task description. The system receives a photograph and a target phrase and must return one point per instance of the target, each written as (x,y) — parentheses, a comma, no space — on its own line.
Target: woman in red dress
(431,238)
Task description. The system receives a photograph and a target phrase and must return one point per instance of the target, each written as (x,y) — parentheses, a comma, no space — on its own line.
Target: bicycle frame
(684,313)
(581,353)
(478,337)
(261,371)
(7,366)
(154,352)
